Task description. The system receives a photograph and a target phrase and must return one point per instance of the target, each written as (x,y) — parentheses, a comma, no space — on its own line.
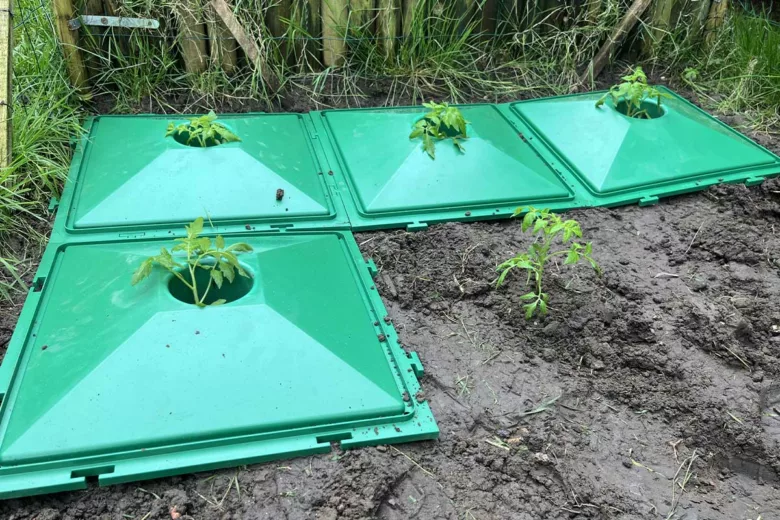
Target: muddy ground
(650,392)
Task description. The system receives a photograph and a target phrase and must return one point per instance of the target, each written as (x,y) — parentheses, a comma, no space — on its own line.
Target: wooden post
(334,20)
(700,17)
(94,44)
(627,23)
(273,20)
(489,18)
(192,35)
(387,21)
(74,62)
(313,25)
(222,46)
(362,13)
(410,10)
(6,66)
(247,44)
(660,22)
(715,19)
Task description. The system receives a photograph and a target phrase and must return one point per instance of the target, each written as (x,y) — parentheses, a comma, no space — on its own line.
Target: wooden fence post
(660,23)
(334,20)
(6,66)
(192,34)
(715,19)
(387,22)
(489,14)
(410,9)
(74,62)
(362,13)
(222,45)
(273,20)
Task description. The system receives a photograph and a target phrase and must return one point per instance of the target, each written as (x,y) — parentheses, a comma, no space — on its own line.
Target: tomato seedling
(632,92)
(548,228)
(202,131)
(442,122)
(195,252)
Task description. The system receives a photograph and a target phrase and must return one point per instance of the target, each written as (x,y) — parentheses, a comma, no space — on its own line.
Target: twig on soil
(694,236)
(155,495)
(430,474)
(498,443)
(543,407)
(674,445)
(666,275)
(737,419)
(745,363)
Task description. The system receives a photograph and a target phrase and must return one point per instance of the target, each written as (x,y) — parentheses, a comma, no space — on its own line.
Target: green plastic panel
(620,160)
(119,383)
(389,181)
(129,175)
(126,382)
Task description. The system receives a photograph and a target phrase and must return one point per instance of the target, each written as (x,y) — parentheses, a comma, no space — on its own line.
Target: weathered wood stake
(74,61)
(334,20)
(6,66)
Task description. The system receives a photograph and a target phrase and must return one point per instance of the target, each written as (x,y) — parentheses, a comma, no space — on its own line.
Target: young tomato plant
(202,131)
(442,122)
(195,252)
(549,228)
(632,92)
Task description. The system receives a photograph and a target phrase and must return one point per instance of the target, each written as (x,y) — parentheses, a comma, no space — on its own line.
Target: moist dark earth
(652,391)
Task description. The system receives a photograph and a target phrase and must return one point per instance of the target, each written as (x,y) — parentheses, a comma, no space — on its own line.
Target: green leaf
(503,276)
(572,258)
(204,244)
(240,247)
(529,309)
(219,302)
(216,275)
(429,146)
(143,271)
(529,296)
(165,259)
(539,224)
(542,307)
(528,220)
(220,242)
(195,228)
(227,270)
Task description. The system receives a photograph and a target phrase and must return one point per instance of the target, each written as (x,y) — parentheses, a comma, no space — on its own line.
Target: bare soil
(650,392)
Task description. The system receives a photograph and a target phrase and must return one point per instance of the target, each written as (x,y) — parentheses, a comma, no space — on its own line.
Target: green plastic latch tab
(417,366)
(650,200)
(417,226)
(372,269)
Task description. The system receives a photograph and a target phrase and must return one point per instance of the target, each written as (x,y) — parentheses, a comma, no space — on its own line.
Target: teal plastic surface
(389,181)
(130,176)
(615,159)
(103,379)
(126,382)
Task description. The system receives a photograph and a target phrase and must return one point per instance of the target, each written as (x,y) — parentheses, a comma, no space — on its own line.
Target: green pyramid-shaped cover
(115,368)
(131,175)
(613,153)
(390,174)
